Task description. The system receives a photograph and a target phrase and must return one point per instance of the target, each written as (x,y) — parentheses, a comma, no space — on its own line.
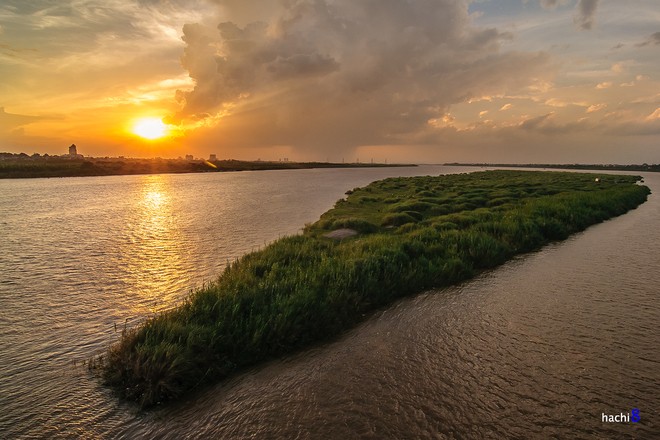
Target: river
(541,347)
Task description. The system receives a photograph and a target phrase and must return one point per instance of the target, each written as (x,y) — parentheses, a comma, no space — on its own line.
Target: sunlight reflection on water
(82,257)
(152,258)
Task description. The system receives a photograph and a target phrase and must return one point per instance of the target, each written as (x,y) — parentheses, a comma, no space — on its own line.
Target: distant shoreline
(26,167)
(575,166)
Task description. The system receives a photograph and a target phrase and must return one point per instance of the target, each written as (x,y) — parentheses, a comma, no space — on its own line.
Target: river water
(541,347)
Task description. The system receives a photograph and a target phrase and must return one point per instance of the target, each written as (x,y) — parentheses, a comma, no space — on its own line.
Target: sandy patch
(340,234)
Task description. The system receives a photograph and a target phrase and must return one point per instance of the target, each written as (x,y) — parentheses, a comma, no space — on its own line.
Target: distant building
(73,153)
(189,157)
(213,158)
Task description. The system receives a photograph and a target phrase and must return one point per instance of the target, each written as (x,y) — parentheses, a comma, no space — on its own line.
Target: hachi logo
(633,416)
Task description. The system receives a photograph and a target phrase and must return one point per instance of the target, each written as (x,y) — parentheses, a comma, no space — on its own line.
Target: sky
(425,81)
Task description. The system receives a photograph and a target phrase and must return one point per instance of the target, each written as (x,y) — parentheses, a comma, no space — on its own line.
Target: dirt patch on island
(340,234)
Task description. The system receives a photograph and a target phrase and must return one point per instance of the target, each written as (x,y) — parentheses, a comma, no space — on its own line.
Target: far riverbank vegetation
(414,234)
(567,166)
(14,166)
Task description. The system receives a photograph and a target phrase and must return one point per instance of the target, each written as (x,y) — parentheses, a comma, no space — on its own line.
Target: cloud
(65,56)
(651,99)
(506,107)
(61,29)
(552,4)
(648,127)
(13,133)
(585,11)
(585,14)
(338,74)
(619,123)
(555,102)
(537,122)
(618,67)
(595,107)
(548,125)
(654,116)
(604,85)
(11,121)
(653,39)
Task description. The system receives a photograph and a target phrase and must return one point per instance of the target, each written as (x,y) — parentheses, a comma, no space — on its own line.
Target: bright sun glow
(150,128)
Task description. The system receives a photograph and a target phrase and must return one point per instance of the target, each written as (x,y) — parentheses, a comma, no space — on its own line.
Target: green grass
(415,233)
(23,166)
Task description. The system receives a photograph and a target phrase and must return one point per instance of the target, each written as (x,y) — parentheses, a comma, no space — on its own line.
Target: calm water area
(540,347)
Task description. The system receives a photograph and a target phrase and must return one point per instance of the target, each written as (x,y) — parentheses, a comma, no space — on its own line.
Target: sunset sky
(553,81)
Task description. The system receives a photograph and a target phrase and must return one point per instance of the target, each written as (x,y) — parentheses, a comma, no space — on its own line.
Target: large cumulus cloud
(337,74)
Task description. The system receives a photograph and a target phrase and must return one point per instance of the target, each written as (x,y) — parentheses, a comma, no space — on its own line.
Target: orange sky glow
(428,81)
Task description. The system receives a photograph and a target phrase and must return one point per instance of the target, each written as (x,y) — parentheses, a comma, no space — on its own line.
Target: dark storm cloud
(345,73)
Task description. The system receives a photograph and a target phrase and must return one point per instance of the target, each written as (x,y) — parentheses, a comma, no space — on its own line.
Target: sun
(150,128)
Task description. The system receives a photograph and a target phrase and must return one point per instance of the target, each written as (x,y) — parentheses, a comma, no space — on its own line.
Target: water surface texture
(538,348)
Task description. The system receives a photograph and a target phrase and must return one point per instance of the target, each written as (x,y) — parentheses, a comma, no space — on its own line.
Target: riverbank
(23,166)
(415,233)
(571,166)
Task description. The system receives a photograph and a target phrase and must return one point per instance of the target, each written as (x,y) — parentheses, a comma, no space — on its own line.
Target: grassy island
(412,234)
